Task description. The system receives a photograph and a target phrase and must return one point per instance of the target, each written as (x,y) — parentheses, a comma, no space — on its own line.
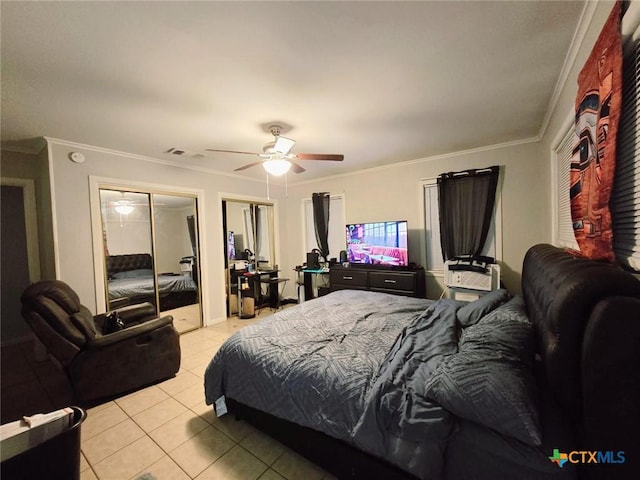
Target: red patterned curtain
(593,163)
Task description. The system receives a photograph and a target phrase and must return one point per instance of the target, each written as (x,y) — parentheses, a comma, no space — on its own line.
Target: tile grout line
(166,454)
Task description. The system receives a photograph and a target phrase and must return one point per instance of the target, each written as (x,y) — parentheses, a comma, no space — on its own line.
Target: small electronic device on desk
(312,279)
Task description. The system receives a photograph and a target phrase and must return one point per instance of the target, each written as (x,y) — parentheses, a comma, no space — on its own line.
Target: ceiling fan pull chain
(268,186)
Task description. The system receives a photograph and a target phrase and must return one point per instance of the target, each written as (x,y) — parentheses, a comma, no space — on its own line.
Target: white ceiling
(380,82)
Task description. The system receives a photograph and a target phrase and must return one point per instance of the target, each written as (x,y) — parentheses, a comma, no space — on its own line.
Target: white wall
(371,195)
(72,214)
(172,238)
(128,234)
(395,192)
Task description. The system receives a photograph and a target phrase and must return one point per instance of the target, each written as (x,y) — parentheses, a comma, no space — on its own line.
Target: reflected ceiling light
(123,208)
(277,166)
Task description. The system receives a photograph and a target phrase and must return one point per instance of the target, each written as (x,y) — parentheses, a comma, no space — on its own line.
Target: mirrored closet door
(151,253)
(250,244)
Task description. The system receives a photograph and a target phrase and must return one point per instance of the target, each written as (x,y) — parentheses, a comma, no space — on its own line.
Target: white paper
(221,406)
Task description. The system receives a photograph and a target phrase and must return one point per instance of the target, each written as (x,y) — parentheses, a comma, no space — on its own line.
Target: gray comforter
(351,364)
(133,286)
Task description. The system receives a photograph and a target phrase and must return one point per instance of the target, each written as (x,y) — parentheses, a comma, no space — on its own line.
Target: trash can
(248,308)
(57,458)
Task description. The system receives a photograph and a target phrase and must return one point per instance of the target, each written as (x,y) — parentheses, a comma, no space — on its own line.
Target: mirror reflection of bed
(152,261)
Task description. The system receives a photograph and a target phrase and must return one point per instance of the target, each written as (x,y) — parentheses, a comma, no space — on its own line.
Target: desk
(309,275)
(248,285)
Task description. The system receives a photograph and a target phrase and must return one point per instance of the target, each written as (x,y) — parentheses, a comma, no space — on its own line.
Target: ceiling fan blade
(318,156)
(248,166)
(297,168)
(232,151)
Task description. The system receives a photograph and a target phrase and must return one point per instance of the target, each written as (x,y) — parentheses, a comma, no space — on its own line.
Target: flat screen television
(378,243)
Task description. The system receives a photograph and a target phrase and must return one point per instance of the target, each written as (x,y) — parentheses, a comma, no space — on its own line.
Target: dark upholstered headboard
(587,320)
(133,261)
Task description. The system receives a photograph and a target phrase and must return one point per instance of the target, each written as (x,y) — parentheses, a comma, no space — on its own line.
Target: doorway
(20,253)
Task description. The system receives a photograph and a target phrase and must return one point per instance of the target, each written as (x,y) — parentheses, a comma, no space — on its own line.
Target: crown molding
(569,61)
(458,153)
(144,158)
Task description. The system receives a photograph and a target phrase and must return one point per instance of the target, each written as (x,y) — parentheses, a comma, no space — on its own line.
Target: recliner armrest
(129,332)
(130,314)
(136,312)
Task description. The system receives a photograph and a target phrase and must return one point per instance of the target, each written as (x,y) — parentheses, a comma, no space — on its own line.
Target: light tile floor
(164,431)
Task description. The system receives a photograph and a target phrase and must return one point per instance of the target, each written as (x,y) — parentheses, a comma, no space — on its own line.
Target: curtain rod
(470,171)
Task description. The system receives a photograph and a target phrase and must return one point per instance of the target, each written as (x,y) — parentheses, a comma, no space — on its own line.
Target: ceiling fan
(125,206)
(277,158)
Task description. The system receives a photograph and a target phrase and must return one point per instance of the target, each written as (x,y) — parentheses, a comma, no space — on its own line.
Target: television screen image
(378,243)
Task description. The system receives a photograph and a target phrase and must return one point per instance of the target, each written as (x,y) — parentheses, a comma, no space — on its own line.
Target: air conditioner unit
(471,280)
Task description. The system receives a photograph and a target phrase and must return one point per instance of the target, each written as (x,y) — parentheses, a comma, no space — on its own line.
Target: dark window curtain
(321,221)
(191,224)
(466,201)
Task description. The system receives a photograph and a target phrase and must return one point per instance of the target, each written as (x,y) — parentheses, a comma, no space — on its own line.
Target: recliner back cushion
(59,319)
(56,302)
(83,320)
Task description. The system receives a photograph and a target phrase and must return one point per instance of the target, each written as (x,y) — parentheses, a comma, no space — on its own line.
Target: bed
(131,280)
(370,385)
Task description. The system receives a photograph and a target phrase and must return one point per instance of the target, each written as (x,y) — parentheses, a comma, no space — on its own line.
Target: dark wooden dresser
(408,282)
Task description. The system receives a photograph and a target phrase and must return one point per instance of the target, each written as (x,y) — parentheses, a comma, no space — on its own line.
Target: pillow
(490,380)
(506,331)
(474,311)
(134,273)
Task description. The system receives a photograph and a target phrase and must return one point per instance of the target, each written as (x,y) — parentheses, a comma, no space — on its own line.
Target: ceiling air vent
(184,153)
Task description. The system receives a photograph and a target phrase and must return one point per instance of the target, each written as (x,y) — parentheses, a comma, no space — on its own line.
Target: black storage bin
(55,459)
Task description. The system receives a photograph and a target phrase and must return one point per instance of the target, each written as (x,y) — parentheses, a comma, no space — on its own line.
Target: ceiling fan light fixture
(124,208)
(276,167)
(283,145)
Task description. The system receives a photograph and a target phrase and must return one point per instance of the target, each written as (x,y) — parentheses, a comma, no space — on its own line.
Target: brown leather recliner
(101,365)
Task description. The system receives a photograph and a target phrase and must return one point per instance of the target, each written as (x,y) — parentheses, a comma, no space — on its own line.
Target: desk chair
(275,282)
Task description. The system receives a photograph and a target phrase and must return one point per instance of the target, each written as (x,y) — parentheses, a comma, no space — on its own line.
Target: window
(563,228)
(385,234)
(625,196)
(432,227)
(337,236)
(492,247)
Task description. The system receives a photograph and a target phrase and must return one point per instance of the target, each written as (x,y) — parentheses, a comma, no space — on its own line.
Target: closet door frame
(95,184)
(222,232)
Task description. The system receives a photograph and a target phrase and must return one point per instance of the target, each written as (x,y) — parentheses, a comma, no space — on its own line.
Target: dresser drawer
(392,281)
(346,276)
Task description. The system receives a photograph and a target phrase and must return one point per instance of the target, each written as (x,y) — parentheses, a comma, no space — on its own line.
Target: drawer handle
(389,281)
(347,278)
